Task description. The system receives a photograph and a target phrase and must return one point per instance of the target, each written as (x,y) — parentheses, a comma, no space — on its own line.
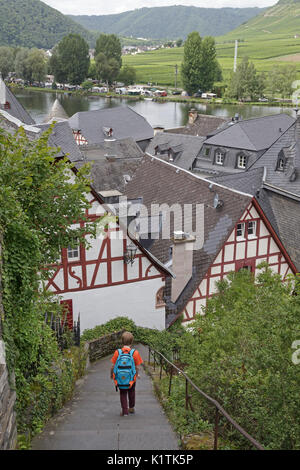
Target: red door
(68,310)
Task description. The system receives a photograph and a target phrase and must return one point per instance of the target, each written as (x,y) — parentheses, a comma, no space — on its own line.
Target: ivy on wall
(38,204)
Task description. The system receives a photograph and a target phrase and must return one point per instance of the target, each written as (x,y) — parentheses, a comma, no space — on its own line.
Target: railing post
(217,416)
(170,382)
(161,366)
(148,354)
(186,394)
(154,360)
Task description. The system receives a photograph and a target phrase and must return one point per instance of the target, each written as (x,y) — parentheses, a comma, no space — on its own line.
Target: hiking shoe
(123,414)
(131,411)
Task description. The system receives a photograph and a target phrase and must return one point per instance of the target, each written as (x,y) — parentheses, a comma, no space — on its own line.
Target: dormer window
(219,157)
(206,151)
(242,161)
(281,161)
(108,131)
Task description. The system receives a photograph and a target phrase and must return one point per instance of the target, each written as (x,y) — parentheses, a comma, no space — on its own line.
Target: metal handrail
(219,408)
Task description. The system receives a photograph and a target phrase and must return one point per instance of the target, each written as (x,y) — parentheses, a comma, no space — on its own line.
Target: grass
(268,40)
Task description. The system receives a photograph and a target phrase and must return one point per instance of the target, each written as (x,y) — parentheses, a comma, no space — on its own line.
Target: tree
(21,64)
(200,67)
(127,75)
(110,46)
(70,60)
(107,69)
(36,65)
(246,83)
(280,80)
(179,42)
(6,60)
(108,57)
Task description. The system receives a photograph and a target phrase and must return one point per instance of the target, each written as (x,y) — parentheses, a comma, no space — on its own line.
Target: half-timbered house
(116,276)
(238,230)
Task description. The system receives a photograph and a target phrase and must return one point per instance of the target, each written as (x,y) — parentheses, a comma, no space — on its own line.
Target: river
(167,114)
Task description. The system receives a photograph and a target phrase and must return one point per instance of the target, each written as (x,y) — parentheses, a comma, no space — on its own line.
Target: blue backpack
(124,370)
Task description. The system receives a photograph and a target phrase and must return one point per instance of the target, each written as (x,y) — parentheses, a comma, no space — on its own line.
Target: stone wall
(104,346)
(8,426)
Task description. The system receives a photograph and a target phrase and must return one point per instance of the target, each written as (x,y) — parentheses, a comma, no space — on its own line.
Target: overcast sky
(103,7)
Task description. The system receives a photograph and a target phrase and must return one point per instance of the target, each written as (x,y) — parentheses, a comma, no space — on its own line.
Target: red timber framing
(102,265)
(242,251)
(79,138)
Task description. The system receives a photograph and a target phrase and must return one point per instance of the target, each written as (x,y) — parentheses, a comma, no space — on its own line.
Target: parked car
(161,93)
(176,92)
(263,99)
(121,91)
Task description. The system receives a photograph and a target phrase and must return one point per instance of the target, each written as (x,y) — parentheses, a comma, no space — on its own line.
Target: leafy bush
(111,326)
(240,353)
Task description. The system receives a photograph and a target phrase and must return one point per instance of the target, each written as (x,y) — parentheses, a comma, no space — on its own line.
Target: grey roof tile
(15,108)
(124,121)
(183,148)
(253,134)
(159,182)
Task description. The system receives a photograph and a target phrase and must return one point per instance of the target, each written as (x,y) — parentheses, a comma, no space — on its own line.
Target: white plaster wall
(134,300)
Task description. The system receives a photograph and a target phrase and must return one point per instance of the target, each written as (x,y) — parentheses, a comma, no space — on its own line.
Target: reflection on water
(168,115)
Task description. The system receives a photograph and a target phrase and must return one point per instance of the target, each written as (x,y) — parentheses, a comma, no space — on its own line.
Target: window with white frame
(252,228)
(242,161)
(220,156)
(240,230)
(73,252)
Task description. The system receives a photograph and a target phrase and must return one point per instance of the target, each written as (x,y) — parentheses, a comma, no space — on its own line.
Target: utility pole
(235,55)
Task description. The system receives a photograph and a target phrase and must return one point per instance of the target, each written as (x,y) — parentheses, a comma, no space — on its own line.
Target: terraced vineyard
(271,38)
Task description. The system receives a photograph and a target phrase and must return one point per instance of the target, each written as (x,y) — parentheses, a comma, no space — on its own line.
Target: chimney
(192,116)
(297,126)
(182,265)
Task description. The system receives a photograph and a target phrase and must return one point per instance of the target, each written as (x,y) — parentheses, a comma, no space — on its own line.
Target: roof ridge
(193,175)
(264,153)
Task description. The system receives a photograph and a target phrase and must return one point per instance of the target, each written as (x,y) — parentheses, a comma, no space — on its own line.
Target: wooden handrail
(219,408)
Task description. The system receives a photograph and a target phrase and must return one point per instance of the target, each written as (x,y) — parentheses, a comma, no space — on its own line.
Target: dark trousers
(127,396)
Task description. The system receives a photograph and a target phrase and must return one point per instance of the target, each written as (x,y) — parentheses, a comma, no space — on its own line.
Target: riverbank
(162,99)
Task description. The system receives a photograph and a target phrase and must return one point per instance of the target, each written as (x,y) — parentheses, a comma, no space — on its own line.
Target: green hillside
(169,22)
(269,39)
(32,23)
(280,21)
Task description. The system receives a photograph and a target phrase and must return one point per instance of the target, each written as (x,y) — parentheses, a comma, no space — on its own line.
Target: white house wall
(235,254)
(98,283)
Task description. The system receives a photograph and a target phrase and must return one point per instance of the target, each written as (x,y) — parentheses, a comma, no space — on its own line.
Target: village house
(238,145)
(116,276)
(122,122)
(238,231)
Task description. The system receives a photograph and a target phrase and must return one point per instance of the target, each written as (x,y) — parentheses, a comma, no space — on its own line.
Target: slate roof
(159,182)
(203,126)
(183,148)
(289,145)
(124,121)
(15,108)
(282,212)
(253,134)
(113,163)
(62,137)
